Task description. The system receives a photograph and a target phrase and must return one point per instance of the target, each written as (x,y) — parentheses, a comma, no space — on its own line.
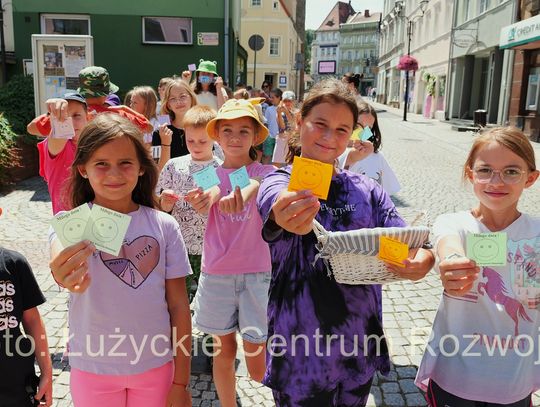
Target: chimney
(366,13)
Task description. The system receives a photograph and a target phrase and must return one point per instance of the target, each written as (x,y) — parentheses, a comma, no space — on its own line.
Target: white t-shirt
(209,99)
(121,324)
(503,307)
(376,167)
(177,175)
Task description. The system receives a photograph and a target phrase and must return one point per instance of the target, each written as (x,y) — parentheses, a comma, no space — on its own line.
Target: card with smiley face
(487,249)
(239,178)
(63,129)
(70,226)
(106,229)
(393,251)
(312,175)
(206,178)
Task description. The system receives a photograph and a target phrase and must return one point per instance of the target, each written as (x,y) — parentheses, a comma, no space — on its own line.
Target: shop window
(533,88)
(167,30)
(66,24)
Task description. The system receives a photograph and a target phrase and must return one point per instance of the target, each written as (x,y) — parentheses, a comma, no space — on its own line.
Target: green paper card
(107,229)
(70,226)
(487,249)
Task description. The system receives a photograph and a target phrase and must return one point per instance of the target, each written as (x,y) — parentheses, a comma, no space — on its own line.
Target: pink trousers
(148,389)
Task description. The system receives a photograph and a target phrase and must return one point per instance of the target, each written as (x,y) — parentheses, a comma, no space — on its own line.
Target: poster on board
(57,62)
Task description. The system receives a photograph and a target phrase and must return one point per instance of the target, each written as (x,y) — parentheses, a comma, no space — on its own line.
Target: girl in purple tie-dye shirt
(325,339)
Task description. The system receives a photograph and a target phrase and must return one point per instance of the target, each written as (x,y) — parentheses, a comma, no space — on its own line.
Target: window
(255,3)
(484,5)
(274,46)
(357,56)
(68,24)
(533,87)
(167,30)
(275,5)
(334,51)
(349,55)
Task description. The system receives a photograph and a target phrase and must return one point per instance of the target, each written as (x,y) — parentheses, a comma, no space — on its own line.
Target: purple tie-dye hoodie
(317,327)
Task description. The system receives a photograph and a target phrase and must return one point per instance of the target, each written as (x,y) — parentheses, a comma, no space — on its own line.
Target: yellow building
(274,21)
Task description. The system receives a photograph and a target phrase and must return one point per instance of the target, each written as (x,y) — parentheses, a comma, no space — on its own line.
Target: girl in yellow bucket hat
(233,288)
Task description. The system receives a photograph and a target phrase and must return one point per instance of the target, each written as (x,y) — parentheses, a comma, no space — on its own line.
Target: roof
(358,18)
(338,15)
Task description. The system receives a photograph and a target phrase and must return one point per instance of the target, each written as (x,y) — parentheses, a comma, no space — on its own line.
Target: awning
(523,34)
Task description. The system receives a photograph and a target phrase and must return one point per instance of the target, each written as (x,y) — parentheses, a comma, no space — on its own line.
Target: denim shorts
(228,303)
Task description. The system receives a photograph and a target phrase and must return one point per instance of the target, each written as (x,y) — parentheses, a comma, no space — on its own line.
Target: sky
(317,10)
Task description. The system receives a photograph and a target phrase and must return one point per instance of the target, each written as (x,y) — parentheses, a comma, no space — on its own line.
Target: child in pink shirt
(233,288)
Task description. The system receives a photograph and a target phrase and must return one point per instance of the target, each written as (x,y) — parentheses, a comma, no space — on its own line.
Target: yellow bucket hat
(234,109)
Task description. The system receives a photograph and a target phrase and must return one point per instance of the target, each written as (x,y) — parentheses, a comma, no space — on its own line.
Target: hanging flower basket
(407,63)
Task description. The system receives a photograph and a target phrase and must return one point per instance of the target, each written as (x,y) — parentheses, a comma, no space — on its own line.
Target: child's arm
(295,211)
(458,273)
(201,200)
(34,327)
(165,135)
(418,264)
(178,305)
(235,201)
(361,149)
(220,92)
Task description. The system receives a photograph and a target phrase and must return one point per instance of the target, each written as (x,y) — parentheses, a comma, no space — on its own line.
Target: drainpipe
(507,89)
(226,44)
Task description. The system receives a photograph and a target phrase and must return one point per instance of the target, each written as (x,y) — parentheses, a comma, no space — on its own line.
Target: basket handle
(318,228)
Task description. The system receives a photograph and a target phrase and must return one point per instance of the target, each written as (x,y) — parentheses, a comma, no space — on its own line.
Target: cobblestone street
(426,155)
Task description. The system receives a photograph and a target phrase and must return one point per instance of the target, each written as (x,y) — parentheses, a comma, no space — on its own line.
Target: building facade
(138,42)
(359,47)
(522,41)
(274,21)
(325,48)
(479,67)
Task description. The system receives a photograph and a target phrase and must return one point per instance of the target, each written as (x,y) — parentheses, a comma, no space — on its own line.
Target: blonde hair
(127,98)
(510,137)
(199,116)
(150,100)
(180,84)
(241,94)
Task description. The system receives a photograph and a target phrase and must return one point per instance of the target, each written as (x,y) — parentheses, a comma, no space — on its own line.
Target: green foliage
(8,158)
(310,35)
(17,102)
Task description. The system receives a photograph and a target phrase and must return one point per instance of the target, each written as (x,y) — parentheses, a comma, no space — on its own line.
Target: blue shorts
(228,303)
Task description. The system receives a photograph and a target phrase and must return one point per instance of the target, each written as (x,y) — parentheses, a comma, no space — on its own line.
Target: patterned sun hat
(94,82)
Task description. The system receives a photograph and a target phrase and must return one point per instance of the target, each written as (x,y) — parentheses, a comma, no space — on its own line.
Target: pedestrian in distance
(233,288)
(304,302)
(145,302)
(490,308)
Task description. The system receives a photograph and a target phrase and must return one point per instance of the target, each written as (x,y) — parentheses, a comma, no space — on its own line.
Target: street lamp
(423,7)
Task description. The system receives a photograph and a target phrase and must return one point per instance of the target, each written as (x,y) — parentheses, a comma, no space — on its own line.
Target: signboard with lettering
(207,38)
(328,67)
(520,33)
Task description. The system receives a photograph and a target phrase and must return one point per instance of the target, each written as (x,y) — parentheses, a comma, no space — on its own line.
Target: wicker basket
(351,257)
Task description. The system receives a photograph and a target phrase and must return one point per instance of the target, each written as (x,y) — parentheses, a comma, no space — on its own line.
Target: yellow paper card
(356,134)
(311,174)
(393,251)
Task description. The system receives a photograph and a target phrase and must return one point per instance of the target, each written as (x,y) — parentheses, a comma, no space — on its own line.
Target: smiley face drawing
(105,229)
(486,249)
(391,252)
(309,176)
(74,229)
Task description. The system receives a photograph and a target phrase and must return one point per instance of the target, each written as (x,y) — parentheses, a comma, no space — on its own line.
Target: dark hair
(353,78)
(198,86)
(294,148)
(330,91)
(510,137)
(376,139)
(278,92)
(107,127)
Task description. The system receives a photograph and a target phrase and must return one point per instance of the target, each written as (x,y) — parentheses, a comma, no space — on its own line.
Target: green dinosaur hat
(94,82)
(207,66)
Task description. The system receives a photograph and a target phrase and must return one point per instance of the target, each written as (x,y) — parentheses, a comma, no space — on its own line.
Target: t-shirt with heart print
(121,324)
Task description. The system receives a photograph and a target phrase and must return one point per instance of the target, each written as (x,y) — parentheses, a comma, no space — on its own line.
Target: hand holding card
(487,249)
(62,129)
(206,178)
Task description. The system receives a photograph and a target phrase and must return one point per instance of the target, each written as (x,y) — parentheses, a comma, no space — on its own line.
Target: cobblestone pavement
(427,157)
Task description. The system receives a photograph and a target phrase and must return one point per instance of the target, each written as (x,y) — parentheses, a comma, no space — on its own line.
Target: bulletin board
(57,61)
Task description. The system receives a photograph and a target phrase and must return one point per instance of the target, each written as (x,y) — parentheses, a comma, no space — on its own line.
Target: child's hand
(179,396)
(186,76)
(416,266)
(365,147)
(70,268)
(219,82)
(202,201)
(45,390)
(167,199)
(458,275)
(295,211)
(57,108)
(232,203)
(165,134)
